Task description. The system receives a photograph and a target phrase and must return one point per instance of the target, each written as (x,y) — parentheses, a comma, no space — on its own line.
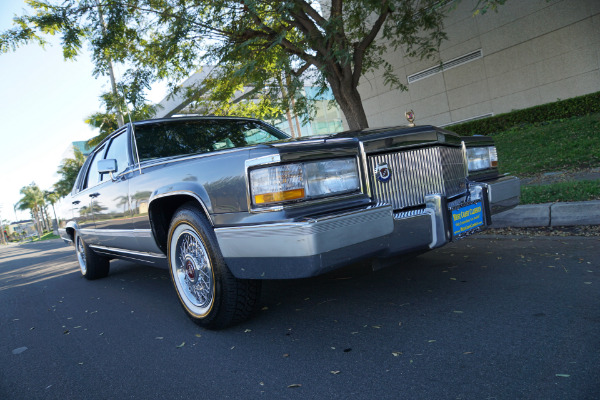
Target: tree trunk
(38,225)
(284,95)
(113,85)
(48,219)
(55,222)
(289,119)
(288,82)
(40,214)
(350,102)
(297,124)
(44,216)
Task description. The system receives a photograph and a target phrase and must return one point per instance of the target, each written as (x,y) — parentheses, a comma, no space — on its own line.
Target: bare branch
(247,95)
(336,8)
(302,69)
(360,48)
(312,13)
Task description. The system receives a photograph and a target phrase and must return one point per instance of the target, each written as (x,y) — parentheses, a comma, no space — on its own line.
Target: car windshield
(175,138)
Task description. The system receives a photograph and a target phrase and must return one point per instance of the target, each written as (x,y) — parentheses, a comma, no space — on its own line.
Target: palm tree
(68,170)
(33,199)
(52,198)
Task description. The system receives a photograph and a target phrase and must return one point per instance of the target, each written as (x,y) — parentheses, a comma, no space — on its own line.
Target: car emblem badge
(382,172)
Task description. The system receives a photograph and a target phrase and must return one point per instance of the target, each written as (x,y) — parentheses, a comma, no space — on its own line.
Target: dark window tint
(93,177)
(119,151)
(188,137)
(81,180)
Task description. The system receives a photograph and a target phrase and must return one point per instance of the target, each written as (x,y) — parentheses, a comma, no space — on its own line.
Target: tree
(52,198)
(3,228)
(33,200)
(107,121)
(68,171)
(253,42)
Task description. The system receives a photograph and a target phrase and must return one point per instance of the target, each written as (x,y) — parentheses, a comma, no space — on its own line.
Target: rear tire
(91,265)
(209,293)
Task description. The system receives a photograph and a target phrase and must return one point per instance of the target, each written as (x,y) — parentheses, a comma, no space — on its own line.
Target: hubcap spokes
(194,270)
(81,255)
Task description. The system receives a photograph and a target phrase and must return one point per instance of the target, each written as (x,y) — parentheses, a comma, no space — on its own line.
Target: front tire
(91,265)
(209,293)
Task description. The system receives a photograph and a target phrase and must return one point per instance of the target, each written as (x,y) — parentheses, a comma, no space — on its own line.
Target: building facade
(529,52)
(327,118)
(21,229)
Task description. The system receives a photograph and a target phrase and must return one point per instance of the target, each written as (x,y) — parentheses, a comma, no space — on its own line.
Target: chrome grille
(416,173)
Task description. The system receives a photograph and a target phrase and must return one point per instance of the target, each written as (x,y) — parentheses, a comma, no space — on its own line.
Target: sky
(44,101)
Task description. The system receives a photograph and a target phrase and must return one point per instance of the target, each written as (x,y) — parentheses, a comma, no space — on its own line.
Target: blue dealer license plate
(466,218)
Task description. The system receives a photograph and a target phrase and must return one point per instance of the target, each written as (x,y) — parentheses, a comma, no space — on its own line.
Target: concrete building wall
(532,52)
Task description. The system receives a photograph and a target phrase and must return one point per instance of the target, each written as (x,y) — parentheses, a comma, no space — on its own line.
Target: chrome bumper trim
(503,193)
(127,252)
(313,246)
(138,233)
(437,208)
(306,238)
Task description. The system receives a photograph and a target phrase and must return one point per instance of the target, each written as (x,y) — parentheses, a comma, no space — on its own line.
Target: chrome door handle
(94,195)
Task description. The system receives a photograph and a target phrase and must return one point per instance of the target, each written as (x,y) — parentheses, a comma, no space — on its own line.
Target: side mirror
(108,166)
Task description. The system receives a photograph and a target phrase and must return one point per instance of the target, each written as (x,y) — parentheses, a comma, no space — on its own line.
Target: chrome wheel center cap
(190,270)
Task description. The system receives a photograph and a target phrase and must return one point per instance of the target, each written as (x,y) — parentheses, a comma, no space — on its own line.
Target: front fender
(191,189)
(67,233)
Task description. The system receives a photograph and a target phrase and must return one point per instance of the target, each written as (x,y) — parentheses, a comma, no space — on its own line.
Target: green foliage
(46,236)
(33,199)
(558,110)
(484,6)
(68,170)
(531,149)
(106,122)
(561,191)
(51,197)
(265,47)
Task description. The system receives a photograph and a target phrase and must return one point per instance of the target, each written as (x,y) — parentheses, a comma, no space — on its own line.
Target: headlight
(482,158)
(303,181)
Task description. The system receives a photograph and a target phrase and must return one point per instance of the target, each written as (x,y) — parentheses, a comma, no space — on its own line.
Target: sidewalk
(549,214)
(553,214)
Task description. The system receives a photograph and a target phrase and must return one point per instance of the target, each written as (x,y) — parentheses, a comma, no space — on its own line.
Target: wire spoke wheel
(81,255)
(91,264)
(209,293)
(193,271)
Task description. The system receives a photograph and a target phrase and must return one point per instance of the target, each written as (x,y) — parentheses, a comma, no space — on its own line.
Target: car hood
(380,139)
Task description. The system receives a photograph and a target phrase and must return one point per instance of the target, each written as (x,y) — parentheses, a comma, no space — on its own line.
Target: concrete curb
(549,214)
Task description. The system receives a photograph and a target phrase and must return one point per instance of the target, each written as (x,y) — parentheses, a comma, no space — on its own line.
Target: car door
(111,204)
(82,197)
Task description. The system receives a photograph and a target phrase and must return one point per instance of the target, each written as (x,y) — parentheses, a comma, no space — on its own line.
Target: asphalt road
(483,318)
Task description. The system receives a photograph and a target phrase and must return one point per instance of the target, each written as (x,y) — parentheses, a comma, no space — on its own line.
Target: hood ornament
(410,117)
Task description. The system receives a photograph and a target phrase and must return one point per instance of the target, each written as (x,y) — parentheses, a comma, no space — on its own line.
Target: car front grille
(417,173)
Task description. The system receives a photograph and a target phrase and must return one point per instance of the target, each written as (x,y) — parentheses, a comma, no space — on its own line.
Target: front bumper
(313,246)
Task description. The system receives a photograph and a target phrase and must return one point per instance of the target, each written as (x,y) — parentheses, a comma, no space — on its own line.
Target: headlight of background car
(303,181)
(482,158)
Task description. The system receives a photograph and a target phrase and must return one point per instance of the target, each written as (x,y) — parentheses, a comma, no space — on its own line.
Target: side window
(81,176)
(119,150)
(255,134)
(93,177)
